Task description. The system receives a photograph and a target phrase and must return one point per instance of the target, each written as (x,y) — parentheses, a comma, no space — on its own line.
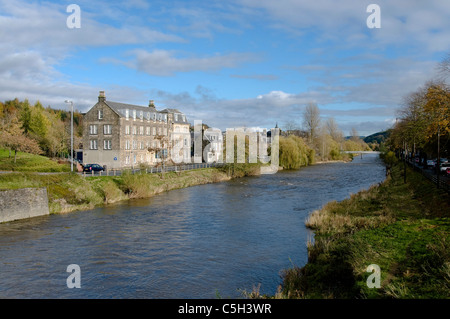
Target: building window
(176,117)
(141,130)
(134,130)
(127,144)
(147,130)
(142,145)
(148,116)
(127,159)
(93,129)
(100,114)
(127,114)
(107,129)
(135,145)
(127,130)
(134,115)
(93,144)
(107,144)
(134,159)
(141,115)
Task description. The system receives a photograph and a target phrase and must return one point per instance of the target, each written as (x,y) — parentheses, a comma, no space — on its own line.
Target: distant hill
(379,137)
(349,137)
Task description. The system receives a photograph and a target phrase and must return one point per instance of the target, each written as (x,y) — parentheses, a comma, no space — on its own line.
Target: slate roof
(120,109)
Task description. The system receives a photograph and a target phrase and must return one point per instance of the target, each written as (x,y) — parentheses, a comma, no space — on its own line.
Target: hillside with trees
(36,129)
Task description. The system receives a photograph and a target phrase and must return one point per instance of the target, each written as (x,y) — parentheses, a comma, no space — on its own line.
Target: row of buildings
(124,135)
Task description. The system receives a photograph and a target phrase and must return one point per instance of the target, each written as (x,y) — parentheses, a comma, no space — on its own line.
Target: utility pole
(404,162)
(71,135)
(438,156)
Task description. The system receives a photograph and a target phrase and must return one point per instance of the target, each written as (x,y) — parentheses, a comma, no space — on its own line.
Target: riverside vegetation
(404,228)
(69,192)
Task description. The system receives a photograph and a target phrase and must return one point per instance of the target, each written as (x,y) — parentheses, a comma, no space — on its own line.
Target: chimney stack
(101,96)
(151,103)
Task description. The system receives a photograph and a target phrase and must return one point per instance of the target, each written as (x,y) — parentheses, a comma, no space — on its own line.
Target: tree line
(422,127)
(319,139)
(35,129)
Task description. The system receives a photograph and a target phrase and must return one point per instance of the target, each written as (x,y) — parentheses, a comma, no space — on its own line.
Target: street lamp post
(71,135)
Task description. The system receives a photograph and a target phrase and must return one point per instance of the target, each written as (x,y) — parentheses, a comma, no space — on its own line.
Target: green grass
(26,162)
(68,192)
(403,228)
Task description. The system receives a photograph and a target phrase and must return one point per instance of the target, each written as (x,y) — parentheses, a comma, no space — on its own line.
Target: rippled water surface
(200,242)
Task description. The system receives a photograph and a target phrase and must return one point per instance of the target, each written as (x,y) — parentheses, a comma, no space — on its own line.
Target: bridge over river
(361,152)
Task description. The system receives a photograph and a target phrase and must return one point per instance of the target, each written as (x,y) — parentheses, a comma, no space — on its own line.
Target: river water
(206,241)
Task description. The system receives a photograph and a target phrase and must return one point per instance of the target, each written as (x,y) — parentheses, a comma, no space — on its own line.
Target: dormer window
(141,115)
(127,114)
(134,115)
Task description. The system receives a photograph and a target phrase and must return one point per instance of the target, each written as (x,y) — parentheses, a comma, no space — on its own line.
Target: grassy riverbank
(26,162)
(402,228)
(69,192)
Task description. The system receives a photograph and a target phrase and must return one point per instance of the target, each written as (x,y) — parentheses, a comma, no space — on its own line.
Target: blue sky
(227,63)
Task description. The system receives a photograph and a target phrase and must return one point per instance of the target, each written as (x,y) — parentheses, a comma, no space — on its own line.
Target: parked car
(431,163)
(448,171)
(92,167)
(443,167)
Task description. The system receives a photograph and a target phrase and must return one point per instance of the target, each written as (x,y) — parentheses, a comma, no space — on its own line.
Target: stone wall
(23,203)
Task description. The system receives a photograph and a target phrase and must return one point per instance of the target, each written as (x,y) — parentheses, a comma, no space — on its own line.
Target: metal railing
(444,182)
(151,170)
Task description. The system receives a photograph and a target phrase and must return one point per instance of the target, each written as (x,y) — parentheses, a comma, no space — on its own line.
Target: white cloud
(165,63)
(417,23)
(35,40)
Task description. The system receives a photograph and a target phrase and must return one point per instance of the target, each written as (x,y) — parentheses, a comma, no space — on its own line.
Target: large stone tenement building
(121,135)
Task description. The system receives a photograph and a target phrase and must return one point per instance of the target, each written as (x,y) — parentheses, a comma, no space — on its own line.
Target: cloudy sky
(228,63)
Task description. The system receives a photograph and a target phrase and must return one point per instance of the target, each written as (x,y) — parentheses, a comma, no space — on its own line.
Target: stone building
(121,135)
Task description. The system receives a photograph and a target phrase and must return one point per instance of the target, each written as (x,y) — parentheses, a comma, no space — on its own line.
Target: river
(207,241)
